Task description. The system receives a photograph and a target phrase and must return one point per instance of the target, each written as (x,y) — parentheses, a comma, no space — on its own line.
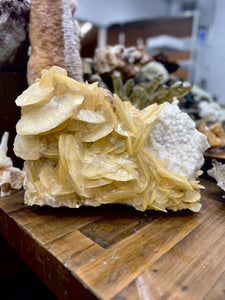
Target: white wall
(107,12)
(210,66)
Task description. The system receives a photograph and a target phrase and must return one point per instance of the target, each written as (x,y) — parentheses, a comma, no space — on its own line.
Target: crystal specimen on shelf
(84,146)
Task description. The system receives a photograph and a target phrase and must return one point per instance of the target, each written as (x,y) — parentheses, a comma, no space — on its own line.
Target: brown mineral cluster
(215,134)
(126,60)
(54,38)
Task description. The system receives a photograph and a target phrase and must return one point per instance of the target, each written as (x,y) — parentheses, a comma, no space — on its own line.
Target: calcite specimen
(10,177)
(84,146)
(218,173)
(54,37)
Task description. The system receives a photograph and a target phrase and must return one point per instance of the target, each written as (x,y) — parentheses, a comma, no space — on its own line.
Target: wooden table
(115,252)
(215,155)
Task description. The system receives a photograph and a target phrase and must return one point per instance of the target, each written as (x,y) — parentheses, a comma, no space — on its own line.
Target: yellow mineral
(84,146)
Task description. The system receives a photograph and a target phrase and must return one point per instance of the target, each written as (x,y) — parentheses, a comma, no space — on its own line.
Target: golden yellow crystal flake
(83,146)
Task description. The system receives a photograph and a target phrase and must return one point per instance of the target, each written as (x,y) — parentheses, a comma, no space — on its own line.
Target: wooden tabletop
(115,252)
(220,155)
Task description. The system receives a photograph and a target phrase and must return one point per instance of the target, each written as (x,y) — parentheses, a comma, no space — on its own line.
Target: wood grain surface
(115,252)
(220,155)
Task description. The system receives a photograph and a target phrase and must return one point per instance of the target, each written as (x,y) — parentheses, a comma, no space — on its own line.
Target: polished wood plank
(218,289)
(192,266)
(110,230)
(215,155)
(13,202)
(74,249)
(115,252)
(49,228)
(118,266)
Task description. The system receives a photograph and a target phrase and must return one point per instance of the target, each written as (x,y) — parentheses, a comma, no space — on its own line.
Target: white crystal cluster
(218,173)
(175,138)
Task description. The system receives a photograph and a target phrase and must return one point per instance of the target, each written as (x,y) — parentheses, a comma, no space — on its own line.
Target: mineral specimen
(144,93)
(215,133)
(218,173)
(126,60)
(153,68)
(54,38)
(84,146)
(14,20)
(211,111)
(9,175)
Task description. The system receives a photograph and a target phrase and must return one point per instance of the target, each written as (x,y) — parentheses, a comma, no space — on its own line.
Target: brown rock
(54,38)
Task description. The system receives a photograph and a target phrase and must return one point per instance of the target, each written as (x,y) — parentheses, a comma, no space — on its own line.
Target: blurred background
(187,31)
